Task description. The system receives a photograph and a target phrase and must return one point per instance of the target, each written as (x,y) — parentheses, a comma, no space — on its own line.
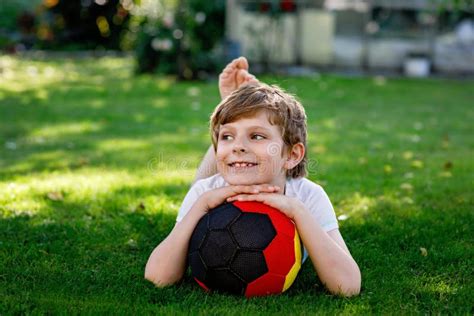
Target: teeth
(242,164)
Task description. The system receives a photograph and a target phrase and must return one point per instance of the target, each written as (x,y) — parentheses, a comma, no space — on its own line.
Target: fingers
(246,197)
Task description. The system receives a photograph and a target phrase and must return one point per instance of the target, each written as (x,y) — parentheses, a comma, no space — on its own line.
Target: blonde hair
(283,109)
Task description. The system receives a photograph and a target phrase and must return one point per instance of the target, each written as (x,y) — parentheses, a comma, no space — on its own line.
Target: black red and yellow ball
(245,248)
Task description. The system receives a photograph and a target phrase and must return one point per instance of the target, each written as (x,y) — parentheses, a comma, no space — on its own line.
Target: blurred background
(195,38)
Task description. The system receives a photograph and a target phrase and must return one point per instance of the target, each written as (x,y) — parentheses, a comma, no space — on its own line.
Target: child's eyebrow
(226,126)
(253,127)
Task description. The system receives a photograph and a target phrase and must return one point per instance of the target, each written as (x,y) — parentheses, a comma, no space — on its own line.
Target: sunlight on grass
(117,144)
(51,159)
(358,206)
(19,75)
(439,286)
(164,84)
(355,205)
(155,204)
(30,196)
(60,130)
(42,94)
(97,103)
(113,64)
(329,123)
(160,103)
(16,199)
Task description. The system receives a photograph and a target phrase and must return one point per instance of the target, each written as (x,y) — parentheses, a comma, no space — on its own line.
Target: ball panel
(253,231)
(198,235)
(197,265)
(280,255)
(222,216)
(291,276)
(245,259)
(265,285)
(218,248)
(254,207)
(226,281)
(282,224)
(279,220)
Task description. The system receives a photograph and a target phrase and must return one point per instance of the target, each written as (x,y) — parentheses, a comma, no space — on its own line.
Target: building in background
(416,36)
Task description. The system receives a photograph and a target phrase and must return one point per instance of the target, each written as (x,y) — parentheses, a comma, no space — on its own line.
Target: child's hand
(234,75)
(285,204)
(218,196)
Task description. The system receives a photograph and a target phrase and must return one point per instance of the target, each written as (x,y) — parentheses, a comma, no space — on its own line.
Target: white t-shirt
(311,194)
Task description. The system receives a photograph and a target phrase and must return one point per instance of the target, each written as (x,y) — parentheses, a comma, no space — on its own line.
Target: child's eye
(258,137)
(226,137)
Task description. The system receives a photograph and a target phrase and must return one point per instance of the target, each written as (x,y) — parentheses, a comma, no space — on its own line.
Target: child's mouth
(242,165)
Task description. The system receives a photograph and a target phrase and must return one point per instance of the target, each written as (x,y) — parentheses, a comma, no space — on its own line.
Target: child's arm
(208,165)
(331,259)
(231,78)
(167,262)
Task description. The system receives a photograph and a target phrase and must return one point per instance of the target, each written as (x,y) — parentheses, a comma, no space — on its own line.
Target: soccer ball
(245,248)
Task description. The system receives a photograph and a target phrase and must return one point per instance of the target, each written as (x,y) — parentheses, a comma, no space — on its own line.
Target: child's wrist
(200,210)
(202,205)
(298,209)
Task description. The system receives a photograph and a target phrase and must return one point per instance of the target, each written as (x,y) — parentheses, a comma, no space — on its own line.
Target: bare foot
(234,75)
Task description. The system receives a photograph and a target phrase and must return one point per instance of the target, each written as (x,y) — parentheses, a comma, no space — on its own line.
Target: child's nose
(239,147)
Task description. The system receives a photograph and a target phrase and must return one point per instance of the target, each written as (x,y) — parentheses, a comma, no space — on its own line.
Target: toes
(251,79)
(241,76)
(242,63)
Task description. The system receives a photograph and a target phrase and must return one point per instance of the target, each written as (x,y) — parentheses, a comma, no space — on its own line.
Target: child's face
(249,151)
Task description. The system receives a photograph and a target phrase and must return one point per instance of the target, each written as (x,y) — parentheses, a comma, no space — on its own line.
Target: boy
(259,138)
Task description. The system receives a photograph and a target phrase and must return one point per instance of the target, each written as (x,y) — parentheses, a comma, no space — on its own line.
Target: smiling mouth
(242,164)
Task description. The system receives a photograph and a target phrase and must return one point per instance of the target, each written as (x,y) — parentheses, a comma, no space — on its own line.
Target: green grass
(94,163)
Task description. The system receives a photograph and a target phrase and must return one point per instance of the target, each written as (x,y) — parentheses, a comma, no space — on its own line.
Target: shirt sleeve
(320,207)
(200,187)
(191,197)
(317,201)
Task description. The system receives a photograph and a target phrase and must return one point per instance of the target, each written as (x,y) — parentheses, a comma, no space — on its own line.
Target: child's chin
(239,180)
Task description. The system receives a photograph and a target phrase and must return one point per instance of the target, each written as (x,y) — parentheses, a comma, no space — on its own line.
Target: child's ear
(295,155)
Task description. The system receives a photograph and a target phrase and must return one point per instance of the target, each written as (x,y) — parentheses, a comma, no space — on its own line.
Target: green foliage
(79,24)
(183,40)
(16,19)
(94,163)
(11,9)
(455,5)
(62,25)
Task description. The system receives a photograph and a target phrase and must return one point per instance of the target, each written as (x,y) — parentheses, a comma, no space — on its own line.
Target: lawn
(94,163)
